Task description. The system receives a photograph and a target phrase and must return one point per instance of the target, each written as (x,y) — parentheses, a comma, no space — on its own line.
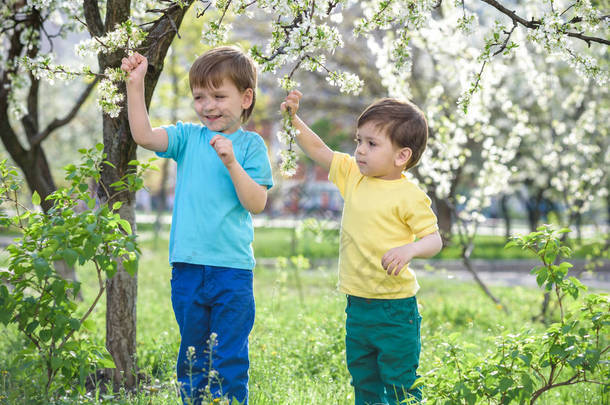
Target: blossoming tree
(303,35)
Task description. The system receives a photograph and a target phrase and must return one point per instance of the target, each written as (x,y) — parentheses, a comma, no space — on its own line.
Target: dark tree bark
(445,219)
(506,216)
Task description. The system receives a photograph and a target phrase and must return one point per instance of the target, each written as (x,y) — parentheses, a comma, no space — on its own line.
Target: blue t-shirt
(209,224)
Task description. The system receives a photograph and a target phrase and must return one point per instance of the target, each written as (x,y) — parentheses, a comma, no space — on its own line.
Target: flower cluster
(126,36)
(347,82)
(288,162)
(43,68)
(109,95)
(214,33)
(551,38)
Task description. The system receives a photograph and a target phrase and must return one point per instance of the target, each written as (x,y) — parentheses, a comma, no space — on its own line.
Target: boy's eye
(372,143)
(220,96)
(357,140)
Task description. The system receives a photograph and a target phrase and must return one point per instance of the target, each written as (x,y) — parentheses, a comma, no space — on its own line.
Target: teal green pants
(382,345)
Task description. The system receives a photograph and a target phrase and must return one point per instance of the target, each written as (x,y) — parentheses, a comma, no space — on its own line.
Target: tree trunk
(443,211)
(122,289)
(506,216)
(533,210)
(120,149)
(466,251)
(578,223)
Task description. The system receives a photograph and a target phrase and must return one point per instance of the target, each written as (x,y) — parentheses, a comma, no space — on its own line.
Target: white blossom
(347,82)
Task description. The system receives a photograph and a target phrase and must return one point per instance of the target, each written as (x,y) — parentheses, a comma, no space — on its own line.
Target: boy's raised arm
(309,141)
(141,131)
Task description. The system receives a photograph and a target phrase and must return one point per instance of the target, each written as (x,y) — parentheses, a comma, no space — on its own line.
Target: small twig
(505,43)
(91,307)
(224,12)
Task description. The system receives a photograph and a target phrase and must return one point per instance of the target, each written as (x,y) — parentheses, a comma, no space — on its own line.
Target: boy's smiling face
(220,108)
(377,156)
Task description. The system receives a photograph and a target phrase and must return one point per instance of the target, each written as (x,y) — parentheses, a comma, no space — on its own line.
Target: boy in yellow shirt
(383,215)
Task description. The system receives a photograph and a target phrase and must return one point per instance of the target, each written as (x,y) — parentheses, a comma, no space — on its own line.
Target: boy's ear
(402,156)
(246,98)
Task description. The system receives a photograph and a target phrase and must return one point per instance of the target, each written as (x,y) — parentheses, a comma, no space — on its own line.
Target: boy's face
(220,108)
(377,156)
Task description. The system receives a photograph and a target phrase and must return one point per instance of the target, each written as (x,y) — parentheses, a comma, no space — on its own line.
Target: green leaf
(70,256)
(35,198)
(505,383)
(74,324)
(117,205)
(510,244)
(125,225)
(45,335)
(541,277)
(56,362)
(418,383)
(104,359)
(31,327)
(99,147)
(41,267)
(131,266)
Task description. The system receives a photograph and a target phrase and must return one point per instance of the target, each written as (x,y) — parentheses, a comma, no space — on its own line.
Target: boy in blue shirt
(223,177)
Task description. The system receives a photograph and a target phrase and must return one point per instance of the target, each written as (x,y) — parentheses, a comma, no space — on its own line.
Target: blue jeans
(209,299)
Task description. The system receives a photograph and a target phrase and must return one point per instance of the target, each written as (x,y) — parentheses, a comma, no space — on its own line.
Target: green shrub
(35,298)
(523,366)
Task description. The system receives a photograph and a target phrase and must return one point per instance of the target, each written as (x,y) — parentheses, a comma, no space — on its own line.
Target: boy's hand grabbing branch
(309,141)
(136,66)
(154,139)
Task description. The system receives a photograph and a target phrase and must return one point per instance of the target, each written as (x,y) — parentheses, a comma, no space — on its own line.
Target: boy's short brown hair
(403,122)
(210,69)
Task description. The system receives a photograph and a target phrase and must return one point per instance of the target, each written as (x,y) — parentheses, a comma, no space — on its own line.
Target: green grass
(273,242)
(297,347)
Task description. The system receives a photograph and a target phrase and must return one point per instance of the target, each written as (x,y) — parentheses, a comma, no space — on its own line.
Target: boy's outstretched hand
(292,102)
(136,65)
(224,148)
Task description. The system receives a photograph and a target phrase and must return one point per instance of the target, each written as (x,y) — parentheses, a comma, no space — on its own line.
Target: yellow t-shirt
(378,215)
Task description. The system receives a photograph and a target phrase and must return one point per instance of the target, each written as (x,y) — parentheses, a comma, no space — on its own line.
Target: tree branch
(505,43)
(93,18)
(588,39)
(535,24)
(570,381)
(57,123)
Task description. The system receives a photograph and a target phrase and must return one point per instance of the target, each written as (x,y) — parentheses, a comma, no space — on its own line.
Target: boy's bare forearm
(427,246)
(312,144)
(139,123)
(251,195)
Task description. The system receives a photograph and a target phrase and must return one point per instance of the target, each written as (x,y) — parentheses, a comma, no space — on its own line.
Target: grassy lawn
(273,242)
(297,346)
(316,244)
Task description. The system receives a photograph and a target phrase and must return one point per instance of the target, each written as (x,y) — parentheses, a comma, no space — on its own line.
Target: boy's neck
(393,175)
